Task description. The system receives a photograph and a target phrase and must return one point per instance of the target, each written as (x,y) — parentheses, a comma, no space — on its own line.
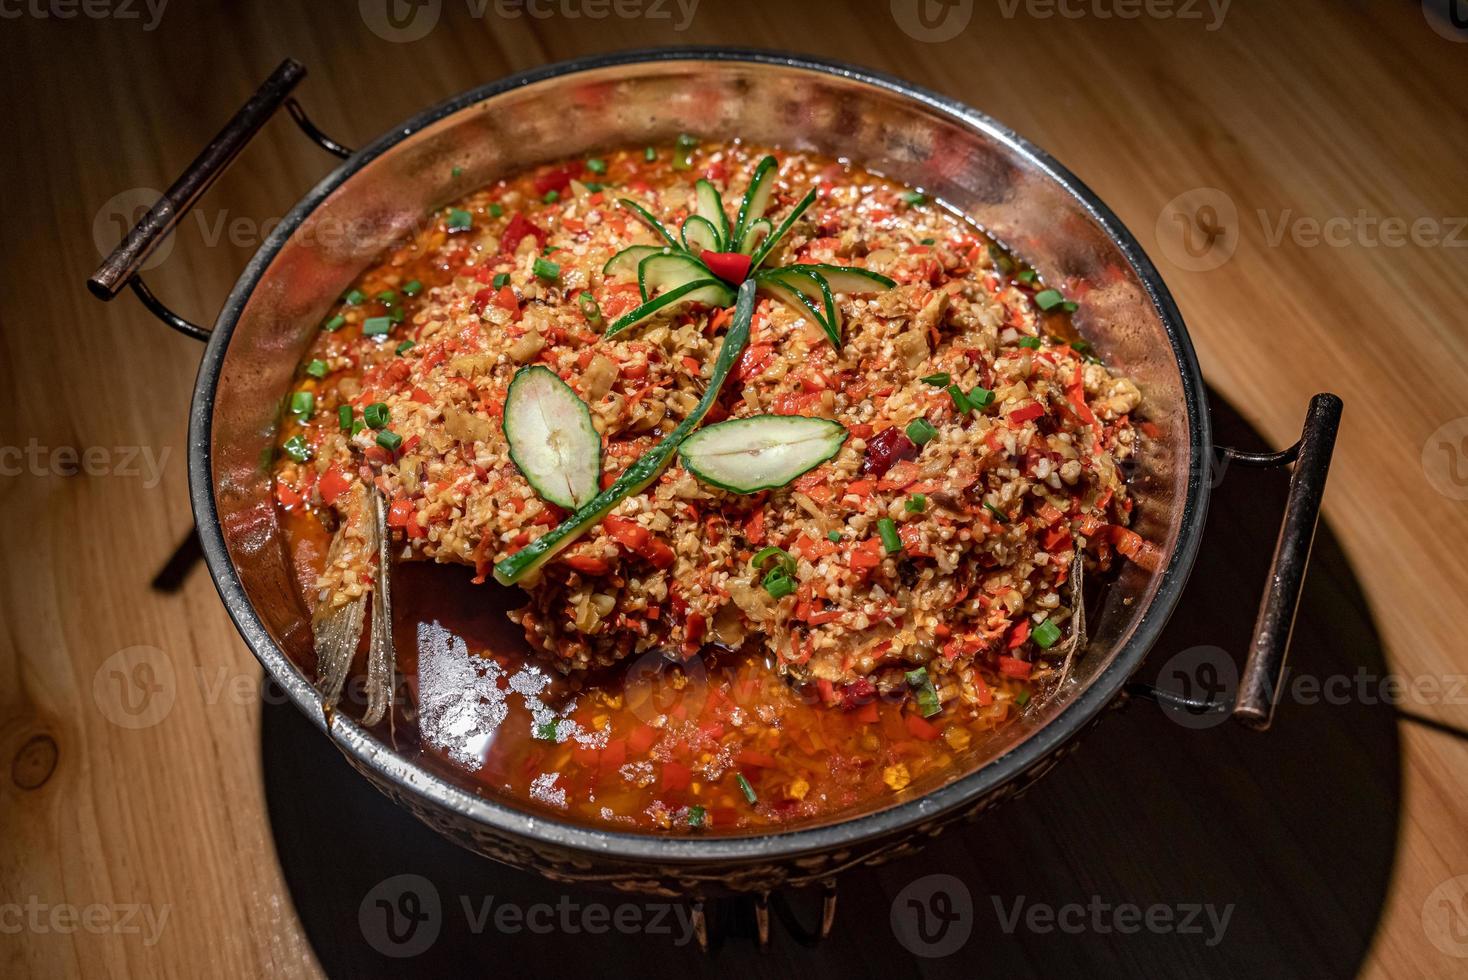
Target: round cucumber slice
(763,452)
(551,437)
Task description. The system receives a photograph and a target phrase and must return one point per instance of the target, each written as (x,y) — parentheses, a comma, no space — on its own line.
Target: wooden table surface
(1321,245)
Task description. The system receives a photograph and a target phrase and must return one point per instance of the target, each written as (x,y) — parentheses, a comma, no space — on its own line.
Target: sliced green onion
(397,314)
(546,269)
(887,530)
(960,400)
(456,172)
(833,536)
(302,402)
(778,583)
(745,788)
(649,154)
(940,380)
(459,219)
(1002,517)
(354,298)
(1022,698)
(334,324)
(404,347)
(980,398)
(913,197)
(295,447)
(927,241)
(376,326)
(920,431)
(377,415)
(545,731)
(1001,259)
(496,210)
(1027,276)
(316,368)
(344,417)
(593,186)
(1045,635)
(1033,343)
(686,141)
(924,691)
(596,165)
(784,559)
(587,302)
(916,504)
(389,440)
(696,816)
(551,196)
(1049,299)
(501,280)
(412,288)
(1069,306)
(387,296)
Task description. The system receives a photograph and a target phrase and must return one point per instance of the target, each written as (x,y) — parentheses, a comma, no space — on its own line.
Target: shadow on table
(1244,854)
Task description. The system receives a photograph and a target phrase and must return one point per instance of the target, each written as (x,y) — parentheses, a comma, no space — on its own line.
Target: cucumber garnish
(551,437)
(709,291)
(642,473)
(763,452)
(711,209)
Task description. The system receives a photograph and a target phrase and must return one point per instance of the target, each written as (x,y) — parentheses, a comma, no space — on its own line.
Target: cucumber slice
(648,219)
(623,265)
(757,197)
(711,292)
(711,209)
(669,270)
(552,440)
(755,236)
(640,474)
(847,278)
(768,245)
(764,452)
(808,295)
(699,233)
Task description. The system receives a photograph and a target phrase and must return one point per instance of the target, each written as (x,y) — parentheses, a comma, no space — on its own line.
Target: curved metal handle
(1264,667)
(121,267)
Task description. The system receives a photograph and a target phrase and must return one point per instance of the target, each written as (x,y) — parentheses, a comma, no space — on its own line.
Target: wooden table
(1294,114)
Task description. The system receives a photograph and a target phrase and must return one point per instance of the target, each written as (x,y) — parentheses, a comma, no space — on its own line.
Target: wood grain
(1309,110)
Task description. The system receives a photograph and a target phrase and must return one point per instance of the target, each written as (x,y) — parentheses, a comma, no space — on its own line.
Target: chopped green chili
(496,210)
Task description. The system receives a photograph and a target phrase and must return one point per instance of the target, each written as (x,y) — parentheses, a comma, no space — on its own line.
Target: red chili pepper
(287,497)
(1014,667)
(587,565)
(557,179)
(516,231)
(921,728)
(399,513)
(886,448)
(729,266)
(1022,415)
(1019,634)
(332,485)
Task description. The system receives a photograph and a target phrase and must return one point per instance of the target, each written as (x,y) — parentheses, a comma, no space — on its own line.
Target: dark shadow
(185,558)
(1293,830)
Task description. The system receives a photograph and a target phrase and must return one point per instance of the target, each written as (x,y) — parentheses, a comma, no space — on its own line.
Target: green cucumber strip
(815,288)
(754,235)
(642,473)
(552,440)
(647,219)
(623,265)
(773,281)
(699,233)
(710,291)
(669,270)
(847,278)
(711,209)
(763,452)
(774,239)
(757,197)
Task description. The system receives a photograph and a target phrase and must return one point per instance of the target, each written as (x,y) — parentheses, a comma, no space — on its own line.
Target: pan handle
(1264,667)
(121,267)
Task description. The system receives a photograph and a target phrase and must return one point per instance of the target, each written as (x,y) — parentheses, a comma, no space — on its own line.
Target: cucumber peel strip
(712,291)
(642,473)
(773,239)
(648,219)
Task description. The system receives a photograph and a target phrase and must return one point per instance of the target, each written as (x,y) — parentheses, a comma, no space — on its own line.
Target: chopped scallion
(913,197)
(404,347)
(778,583)
(545,731)
(998,514)
(377,415)
(833,536)
(783,559)
(923,689)
(960,400)
(696,816)
(387,296)
(551,196)
(302,402)
(496,210)
(1033,343)
(334,324)
(456,172)
(596,165)
(459,219)
(916,504)
(649,154)
(316,368)
(354,298)
(295,447)
(920,431)
(592,312)
(980,398)
(1049,299)
(1027,276)
(344,417)
(389,440)
(940,380)
(887,531)
(501,280)
(1022,698)
(546,269)
(412,288)
(1045,635)
(376,326)
(745,788)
